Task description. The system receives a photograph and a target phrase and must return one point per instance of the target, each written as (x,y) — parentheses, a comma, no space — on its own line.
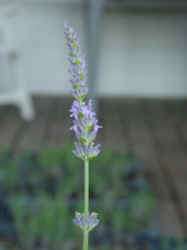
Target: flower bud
(86,223)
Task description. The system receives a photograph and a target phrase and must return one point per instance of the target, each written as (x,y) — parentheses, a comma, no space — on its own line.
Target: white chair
(14,90)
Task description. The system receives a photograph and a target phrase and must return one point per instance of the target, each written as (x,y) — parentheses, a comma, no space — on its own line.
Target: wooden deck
(155,130)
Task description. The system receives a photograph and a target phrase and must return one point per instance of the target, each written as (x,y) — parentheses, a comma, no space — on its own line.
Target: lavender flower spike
(85,124)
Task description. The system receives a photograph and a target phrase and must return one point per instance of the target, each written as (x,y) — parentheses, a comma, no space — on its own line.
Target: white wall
(141,54)
(144,54)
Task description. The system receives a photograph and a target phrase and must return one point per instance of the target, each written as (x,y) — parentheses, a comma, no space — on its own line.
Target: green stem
(86,187)
(86,201)
(85,240)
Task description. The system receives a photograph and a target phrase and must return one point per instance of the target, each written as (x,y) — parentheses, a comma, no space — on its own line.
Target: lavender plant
(85,126)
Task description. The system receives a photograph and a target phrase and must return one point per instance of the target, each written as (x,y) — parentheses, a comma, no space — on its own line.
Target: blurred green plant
(44,188)
(38,222)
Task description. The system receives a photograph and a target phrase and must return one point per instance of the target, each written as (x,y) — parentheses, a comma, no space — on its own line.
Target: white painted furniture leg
(25,104)
(24,101)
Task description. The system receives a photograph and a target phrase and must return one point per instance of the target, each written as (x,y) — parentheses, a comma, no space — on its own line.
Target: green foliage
(38,221)
(45,190)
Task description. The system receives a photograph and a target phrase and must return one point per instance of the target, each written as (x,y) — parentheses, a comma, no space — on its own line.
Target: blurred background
(136,52)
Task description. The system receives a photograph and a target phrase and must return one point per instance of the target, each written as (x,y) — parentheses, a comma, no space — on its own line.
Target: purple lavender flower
(78,65)
(85,124)
(86,152)
(86,223)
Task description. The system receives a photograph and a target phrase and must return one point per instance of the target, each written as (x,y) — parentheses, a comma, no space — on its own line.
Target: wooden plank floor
(155,130)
